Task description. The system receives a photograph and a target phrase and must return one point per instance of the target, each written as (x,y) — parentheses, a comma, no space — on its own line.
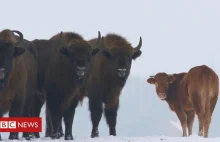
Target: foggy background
(177,35)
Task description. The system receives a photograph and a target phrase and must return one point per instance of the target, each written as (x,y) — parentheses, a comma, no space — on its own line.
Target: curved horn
(21,37)
(139,45)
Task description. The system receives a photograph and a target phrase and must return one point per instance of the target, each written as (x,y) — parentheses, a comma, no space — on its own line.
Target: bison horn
(99,38)
(20,35)
(61,37)
(139,46)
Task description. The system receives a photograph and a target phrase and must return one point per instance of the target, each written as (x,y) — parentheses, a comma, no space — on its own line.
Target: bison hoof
(68,137)
(93,135)
(37,135)
(61,134)
(55,136)
(13,137)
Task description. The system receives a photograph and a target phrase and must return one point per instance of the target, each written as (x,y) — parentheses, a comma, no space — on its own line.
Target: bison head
(79,53)
(120,54)
(162,82)
(8,50)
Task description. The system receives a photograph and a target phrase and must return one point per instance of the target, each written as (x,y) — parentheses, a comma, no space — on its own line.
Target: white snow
(177,35)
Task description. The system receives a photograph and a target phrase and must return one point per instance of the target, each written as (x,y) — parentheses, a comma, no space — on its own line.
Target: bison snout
(122,72)
(2,73)
(162,96)
(81,71)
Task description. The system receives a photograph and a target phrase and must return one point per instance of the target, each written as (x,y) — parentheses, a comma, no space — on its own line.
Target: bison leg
(49,126)
(38,104)
(68,120)
(190,120)
(183,120)
(54,107)
(96,110)
(16,110)
(48,123)
(27,113)
(111,118)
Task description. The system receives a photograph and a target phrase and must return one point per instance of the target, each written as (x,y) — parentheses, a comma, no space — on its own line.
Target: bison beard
(107,77)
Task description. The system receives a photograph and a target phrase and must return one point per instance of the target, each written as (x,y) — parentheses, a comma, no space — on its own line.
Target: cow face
(8,51)
(121,57)
(79,57)
(161,82)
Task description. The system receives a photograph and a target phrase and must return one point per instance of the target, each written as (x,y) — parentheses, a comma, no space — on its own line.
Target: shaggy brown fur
(189,93)
(63,62)
(107,77)
(17,87)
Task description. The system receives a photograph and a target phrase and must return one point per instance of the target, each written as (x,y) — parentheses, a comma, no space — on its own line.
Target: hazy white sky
(177,35)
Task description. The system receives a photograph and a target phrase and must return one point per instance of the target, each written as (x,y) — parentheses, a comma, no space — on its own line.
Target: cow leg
(207,120)
(68,120)
(111,118)
(183,120)
(16,110)
(190,120)
(209,116)
(96,110)
(200,111)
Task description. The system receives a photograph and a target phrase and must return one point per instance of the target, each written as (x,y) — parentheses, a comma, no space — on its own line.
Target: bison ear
(137,54)
(107,54)
(95,51)
(18,51)
(151,80)
(172,78)
(64,51)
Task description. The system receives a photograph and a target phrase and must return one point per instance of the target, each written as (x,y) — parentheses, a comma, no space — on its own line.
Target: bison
(18,72)
(107,76)
(63,63)
(187,94)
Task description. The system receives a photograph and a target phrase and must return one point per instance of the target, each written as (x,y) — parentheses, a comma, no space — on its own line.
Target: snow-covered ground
(141,117)
(177,35)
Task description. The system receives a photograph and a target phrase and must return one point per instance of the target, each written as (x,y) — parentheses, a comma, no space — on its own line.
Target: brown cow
(18,70)
(189,93)
(109,71)
(63,63)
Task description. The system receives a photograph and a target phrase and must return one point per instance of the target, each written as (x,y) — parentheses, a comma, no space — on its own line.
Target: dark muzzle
(121,73)
(81,72)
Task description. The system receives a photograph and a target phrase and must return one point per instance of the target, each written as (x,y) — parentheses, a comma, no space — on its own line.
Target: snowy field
(146,119)
(177,35)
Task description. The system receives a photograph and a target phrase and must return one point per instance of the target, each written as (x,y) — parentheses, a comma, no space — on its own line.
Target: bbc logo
(7,124)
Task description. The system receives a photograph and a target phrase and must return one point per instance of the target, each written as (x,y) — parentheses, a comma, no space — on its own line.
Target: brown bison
(109,71)
(189,93)
(18,70)
(63,63)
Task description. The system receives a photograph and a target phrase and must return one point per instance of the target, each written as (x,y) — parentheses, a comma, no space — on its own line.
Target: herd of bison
(63,70)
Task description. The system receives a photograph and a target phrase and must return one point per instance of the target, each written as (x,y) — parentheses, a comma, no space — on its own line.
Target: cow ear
(95,51)
(18,51)
(151,80)
(107,54)
(64,51)
(172,78)
(137,54)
